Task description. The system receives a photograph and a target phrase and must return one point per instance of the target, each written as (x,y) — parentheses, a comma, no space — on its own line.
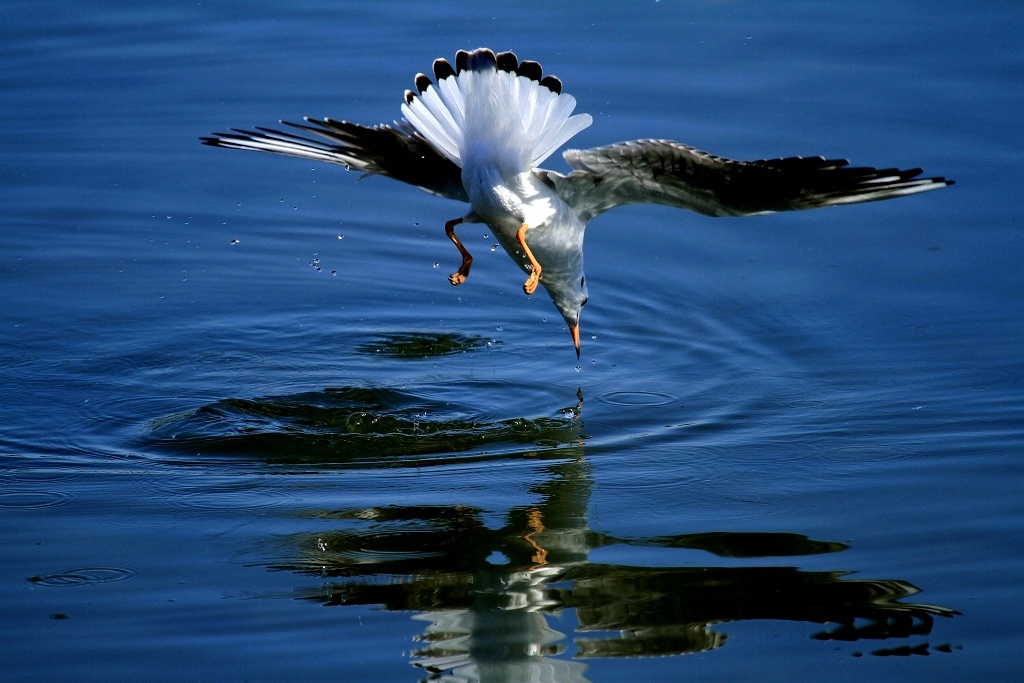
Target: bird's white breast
(505,203)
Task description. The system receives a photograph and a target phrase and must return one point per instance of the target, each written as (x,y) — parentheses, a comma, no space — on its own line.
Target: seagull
(478,131)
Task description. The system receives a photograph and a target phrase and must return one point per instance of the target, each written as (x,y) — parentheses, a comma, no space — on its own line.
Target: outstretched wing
(400,153)
(667,172)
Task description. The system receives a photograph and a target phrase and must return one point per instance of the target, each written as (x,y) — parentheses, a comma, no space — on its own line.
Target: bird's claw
(459,276)
(530,286)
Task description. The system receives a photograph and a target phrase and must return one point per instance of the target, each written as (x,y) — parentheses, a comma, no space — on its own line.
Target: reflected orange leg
(530,286)
(459,276)
(535,520)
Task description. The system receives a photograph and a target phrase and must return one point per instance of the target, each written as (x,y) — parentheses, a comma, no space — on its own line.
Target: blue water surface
(249,431)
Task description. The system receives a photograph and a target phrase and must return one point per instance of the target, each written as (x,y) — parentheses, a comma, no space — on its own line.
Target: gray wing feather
(670,173)
(399,153)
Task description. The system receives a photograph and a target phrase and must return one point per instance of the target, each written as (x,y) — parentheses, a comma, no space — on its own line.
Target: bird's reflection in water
(496,600)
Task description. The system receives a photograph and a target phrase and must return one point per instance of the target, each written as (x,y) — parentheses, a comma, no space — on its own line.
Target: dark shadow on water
(488,594)
(355,426)
(417,345)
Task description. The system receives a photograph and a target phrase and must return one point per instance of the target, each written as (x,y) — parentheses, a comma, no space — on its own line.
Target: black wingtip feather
(423,82)
(531,70)
(482,58)
(442,69)
(507,61)
(552,83)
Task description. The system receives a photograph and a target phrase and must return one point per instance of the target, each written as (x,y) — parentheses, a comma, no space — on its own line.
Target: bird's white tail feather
(438,115)
(492,116)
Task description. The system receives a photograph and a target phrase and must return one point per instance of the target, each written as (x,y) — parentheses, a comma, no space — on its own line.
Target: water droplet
(235,241)
(579,369)
(341,237)
(436,264)
(494,247)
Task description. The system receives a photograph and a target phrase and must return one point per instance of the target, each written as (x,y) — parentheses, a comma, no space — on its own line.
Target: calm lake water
(249,431)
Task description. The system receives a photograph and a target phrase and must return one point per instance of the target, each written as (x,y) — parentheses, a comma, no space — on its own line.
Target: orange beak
(575,329)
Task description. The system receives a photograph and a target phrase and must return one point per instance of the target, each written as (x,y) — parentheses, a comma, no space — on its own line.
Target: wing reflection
(493,598)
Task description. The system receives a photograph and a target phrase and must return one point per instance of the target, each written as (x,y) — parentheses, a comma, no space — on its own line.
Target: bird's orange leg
(459,276)
(530,286)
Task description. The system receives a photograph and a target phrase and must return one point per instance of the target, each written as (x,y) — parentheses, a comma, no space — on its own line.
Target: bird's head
(569,294)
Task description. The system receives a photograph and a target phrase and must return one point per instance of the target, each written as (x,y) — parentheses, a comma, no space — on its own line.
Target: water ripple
(355,424)
(32,500)
(637,398)
(230,493)
(85,576)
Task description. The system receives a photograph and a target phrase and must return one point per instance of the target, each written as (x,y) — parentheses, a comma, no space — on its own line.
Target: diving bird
(477,132)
